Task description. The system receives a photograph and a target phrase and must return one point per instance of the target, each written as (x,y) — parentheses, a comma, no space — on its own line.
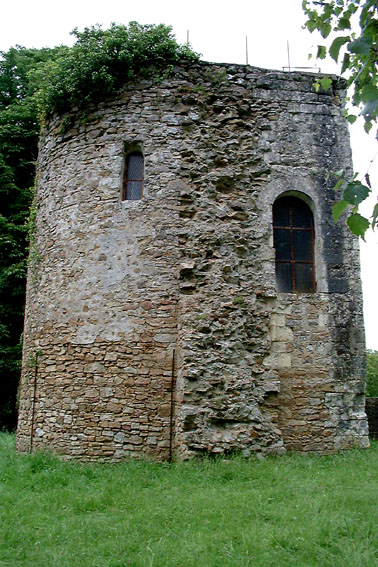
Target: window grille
(133,177)
(294,238)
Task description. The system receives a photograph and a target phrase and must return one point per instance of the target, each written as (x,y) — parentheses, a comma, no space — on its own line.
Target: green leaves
(338,209)
(359,52)
(336,45)
(325,28)
(344,23)
(369,111)
(372,373)
(369,92)
(351,118)
(360,57)
(355,192)
(361,46)
(358,224)
(374,216)
(326,83)
(19,131)
(102,61)
(346,63)
(322,52)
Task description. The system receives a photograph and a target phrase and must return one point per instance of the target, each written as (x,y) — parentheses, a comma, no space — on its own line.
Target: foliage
(101,61)
(19,131)
(353,192)
(358,52)
(14,203)
(372,373)
(285,511)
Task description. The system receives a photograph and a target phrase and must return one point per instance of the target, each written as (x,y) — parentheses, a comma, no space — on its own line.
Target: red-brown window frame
(291,228)
(127,179)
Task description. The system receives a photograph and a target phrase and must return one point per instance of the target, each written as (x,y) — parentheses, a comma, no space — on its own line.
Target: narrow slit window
(294,240)
(133,177)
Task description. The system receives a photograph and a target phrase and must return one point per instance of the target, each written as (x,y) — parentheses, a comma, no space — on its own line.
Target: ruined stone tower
(188,289)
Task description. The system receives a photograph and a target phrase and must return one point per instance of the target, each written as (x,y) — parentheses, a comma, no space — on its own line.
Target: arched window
(133,177)
(293,228)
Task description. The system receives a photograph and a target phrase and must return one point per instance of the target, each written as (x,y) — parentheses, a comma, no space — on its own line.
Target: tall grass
(291,511)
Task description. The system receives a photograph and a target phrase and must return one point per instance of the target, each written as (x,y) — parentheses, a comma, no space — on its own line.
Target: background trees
(372,373)
(19,131)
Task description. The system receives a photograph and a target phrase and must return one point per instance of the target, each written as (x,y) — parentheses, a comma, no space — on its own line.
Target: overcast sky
(218,30)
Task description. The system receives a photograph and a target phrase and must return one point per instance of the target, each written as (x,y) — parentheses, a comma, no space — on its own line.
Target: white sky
(217,30)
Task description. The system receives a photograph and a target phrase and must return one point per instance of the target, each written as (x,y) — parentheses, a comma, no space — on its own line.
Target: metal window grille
(133,177)
(294,240)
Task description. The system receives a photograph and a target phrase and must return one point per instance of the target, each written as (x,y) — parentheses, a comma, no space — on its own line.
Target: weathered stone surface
(154,326)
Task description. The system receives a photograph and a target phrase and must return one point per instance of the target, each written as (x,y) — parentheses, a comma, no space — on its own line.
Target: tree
(337,22)
(372,373)
(19,132)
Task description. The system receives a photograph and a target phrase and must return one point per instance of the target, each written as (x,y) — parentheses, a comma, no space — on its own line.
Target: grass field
(291,511)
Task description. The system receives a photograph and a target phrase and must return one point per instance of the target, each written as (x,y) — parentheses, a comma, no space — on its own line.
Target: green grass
(291,511)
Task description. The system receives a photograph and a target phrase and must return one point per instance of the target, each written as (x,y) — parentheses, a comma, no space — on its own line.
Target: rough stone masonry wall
(129,299)
(102,291)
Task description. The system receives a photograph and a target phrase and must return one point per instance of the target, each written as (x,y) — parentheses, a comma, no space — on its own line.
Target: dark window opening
(294,238)
(133,177)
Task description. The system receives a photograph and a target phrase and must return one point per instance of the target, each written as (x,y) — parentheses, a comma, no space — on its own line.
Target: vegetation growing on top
(101,61)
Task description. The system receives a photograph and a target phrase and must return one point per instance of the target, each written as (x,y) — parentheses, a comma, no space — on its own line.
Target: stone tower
(188,290)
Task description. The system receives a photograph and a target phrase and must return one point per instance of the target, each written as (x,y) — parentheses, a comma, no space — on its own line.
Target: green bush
(372,373)
(19,133)
(101,61)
